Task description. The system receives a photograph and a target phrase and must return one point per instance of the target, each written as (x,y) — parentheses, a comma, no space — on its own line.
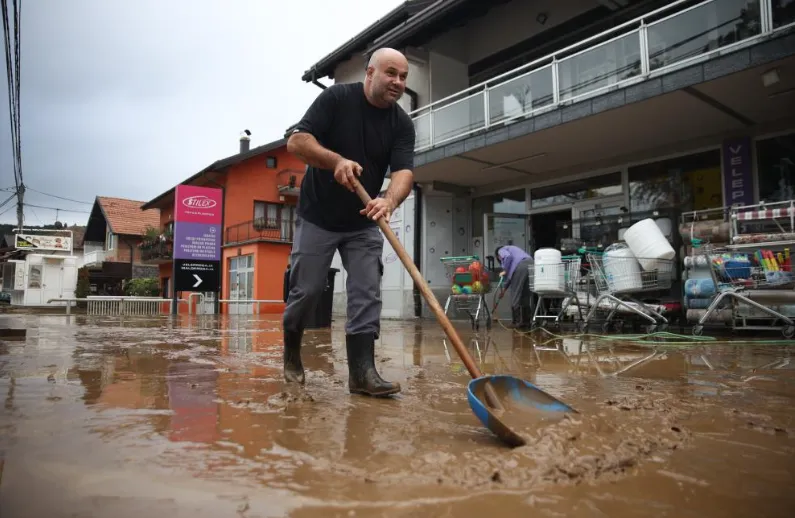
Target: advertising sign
(197,238)
(43,242)
(738,179)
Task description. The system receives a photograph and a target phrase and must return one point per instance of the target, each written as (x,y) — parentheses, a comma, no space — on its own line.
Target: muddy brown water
(136,417)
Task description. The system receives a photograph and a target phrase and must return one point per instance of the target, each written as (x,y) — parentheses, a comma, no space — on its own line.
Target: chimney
(245,141)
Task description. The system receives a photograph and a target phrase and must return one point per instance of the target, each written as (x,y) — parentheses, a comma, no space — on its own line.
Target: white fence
(150,306)
(120,306)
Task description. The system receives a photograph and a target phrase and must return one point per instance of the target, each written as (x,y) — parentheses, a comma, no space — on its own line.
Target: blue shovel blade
(526,407)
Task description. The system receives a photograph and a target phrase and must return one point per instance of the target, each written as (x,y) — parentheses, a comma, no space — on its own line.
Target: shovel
(507,399)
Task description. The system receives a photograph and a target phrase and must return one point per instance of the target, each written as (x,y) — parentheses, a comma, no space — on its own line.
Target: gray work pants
(310,259)
(519,285)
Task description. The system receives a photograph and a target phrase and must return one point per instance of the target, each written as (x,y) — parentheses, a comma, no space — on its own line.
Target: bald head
(386,76)
(384,55)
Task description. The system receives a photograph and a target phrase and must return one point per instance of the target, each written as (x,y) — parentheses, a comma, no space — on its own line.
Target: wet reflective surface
(110,417)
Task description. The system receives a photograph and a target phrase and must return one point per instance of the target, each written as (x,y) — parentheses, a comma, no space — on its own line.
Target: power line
(12,55)
(60,197)
(58,208)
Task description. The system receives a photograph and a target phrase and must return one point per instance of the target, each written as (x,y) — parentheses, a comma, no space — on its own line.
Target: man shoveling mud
(349,131)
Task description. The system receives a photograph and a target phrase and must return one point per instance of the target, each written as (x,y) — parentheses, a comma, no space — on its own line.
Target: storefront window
(570,192)
(783,12)
(775,158)
(512,202)
(688,183)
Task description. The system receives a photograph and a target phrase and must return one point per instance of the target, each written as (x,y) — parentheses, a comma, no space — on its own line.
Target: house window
(275,216)
(110,240)
(270,162)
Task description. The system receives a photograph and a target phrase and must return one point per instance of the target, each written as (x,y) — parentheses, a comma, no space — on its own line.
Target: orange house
(260,191)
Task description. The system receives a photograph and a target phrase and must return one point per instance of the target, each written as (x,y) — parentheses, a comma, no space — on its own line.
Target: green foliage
(146,287)
(83,288)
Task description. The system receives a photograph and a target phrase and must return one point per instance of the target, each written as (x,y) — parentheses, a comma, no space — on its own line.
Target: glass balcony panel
(701,30)
(604,65)
(459,117)
(521,95)
(422,131)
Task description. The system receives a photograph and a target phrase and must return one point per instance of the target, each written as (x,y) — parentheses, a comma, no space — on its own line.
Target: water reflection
(205,397)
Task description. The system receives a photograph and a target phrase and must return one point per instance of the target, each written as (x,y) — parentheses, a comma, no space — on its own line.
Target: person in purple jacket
(515,264)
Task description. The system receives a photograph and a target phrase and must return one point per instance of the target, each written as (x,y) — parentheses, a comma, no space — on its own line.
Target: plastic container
(622,270)
(648,244)
(665,226)
(549,271)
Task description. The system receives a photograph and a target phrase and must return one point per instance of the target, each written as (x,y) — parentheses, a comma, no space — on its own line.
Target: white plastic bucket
(622,271)
(549,273)
(665,226)
(648,244)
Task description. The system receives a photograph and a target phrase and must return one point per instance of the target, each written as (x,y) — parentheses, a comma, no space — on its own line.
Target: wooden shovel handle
(430,298)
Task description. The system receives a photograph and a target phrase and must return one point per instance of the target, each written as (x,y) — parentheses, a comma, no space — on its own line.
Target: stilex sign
(197,238)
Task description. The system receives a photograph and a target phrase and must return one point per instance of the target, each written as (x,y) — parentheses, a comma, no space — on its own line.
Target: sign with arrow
(196,275)
(197,238)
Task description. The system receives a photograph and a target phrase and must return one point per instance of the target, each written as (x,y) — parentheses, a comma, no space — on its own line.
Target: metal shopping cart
(552,282)
(744,279)
(470,283)
(618,275)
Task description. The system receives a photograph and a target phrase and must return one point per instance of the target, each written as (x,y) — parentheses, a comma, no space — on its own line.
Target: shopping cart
(618,277)
(470,283)
(742,276)
(552,282)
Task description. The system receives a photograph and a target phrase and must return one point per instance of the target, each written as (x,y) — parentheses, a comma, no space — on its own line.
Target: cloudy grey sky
(127,98)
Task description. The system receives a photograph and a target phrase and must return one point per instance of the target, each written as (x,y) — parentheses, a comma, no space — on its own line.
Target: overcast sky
(127,98)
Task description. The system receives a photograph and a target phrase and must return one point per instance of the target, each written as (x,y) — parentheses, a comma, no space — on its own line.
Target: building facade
(116,229)
(539,122)
(260,191)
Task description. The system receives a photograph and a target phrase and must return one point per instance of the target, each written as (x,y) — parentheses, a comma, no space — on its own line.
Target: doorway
(596,223)
(503,230)
(546,228)
(241,284)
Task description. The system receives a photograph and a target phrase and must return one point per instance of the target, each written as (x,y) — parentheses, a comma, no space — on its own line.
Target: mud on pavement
(109,417)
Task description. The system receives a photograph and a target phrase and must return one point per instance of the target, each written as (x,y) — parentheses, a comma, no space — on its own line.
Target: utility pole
(20,206)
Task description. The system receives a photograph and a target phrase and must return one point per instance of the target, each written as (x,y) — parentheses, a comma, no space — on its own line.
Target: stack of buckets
(647,244)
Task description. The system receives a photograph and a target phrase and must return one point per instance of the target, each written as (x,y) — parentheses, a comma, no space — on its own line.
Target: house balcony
(668,39)
(94,259)
(260,229)
(157,252)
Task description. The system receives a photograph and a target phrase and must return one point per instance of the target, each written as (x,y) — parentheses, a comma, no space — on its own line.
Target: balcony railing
(157,251)
(261,229)
(94,258)
(667,38)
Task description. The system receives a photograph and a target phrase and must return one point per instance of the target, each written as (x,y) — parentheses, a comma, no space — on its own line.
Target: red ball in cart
(476,269)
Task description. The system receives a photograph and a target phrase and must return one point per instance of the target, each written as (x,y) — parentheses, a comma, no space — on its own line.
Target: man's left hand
(378,207)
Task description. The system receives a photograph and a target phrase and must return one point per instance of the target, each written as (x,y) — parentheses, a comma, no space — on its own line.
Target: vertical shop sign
(738,182)
(197,238)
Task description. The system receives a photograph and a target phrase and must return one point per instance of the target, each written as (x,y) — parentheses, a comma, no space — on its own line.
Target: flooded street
(153,417)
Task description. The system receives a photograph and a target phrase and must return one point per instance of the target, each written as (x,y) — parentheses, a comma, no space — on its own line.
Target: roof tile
(126,217)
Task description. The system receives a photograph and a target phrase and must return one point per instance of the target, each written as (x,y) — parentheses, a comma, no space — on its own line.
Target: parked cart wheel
(697,330)
(788,331)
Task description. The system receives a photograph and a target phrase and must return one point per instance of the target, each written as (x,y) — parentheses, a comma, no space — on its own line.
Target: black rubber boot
(293,368)
(362,376)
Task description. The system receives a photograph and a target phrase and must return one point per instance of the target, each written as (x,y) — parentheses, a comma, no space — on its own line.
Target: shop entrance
(503,230)
(589,223)
(546,228)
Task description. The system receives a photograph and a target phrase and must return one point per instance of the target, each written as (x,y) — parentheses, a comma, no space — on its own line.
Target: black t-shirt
(343,121)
